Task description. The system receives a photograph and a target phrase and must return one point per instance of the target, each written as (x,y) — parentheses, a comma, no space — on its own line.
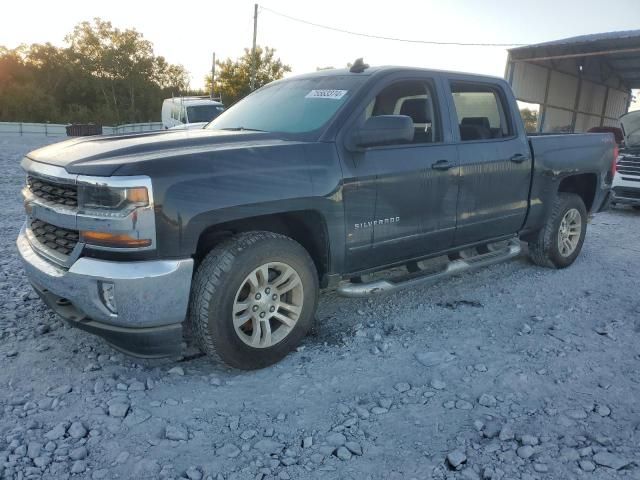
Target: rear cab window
(482,112)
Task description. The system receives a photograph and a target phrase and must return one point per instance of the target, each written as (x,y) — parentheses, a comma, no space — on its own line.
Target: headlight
(121,200)
(116,213)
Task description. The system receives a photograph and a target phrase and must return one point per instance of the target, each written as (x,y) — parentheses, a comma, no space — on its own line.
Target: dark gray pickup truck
(317,181)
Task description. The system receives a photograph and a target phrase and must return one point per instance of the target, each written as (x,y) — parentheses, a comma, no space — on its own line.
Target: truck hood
(631,127)
(104,155)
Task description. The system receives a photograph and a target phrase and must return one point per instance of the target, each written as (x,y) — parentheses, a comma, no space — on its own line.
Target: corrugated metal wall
(567,101)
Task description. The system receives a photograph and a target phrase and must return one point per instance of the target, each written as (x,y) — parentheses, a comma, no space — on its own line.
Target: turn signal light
(104,239)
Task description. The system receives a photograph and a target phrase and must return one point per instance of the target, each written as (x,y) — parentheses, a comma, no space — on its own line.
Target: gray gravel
(511,372)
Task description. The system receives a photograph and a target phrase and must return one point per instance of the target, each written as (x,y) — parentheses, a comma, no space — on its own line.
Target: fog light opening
(108,296)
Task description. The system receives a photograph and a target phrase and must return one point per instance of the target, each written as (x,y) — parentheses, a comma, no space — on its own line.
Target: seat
(416,108)
(474,132)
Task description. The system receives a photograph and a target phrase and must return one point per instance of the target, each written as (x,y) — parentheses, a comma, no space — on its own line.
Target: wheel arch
(584,185)
(307,227)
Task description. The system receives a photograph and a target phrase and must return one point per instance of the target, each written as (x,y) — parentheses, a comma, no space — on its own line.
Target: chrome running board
(356,290)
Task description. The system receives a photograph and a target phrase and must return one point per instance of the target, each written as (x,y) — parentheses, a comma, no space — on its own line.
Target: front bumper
(626,190)
(151,298)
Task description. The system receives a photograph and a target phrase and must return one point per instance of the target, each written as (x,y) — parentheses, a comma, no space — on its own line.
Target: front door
(415,186)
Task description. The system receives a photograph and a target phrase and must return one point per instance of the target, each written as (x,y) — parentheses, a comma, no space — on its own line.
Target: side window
(481,112)
(413,98)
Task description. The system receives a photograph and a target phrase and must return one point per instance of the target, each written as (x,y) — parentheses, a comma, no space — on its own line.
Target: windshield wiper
(242,129)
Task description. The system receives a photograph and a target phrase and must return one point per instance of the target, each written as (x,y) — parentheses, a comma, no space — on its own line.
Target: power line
(381,37)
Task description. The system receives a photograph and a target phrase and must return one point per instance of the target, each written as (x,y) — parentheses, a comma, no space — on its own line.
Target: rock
(248,434)
(469,474)
(610,460)
(118,409)
(430,359)
(491,429)
(603,411)
(402,387)
(176,432)
(34,449)
(463,405)
(77,430)
(79,453)
(343,453)
(336,439)
(136,386)
(587,465)
(57,432)
(456,458)
(438,384)
(379,410)
(487,400)
(78,467)
(12,353)
(529,440)
(525,452)
(42,461)
(354,447)
(526,329)
(228,450)
(506,433)
(541,467)
(268,447)
(100,474)
(480,367)
(193,473)
(137,416)
(177,371)
(59,391)
(568,454)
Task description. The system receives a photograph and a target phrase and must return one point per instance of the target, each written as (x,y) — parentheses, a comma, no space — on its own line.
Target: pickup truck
(626,182)
(318,181)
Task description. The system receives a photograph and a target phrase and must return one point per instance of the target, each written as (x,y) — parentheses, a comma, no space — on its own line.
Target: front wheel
(253,299)
(559,242)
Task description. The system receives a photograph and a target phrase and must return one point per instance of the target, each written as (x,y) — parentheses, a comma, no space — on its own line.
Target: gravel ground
(512,372)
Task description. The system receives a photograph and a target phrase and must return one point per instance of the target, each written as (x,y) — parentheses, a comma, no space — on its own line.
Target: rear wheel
(253,299)
(559,242)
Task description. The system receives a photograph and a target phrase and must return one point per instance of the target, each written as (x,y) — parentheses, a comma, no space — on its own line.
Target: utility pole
(213,75)
(252,82)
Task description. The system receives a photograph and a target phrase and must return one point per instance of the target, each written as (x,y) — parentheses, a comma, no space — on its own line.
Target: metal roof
(619,52)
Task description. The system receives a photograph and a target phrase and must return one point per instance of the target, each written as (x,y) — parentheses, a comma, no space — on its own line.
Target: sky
(189,33)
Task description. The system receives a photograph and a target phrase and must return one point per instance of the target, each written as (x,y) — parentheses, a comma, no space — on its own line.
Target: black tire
(218,279)
(543,249)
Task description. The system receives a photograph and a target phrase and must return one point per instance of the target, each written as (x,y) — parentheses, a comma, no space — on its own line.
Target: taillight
(614,165)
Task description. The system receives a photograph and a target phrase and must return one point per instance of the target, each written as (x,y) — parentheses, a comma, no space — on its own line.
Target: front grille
(59,239)
(56,193)
(623,192)
(629,165)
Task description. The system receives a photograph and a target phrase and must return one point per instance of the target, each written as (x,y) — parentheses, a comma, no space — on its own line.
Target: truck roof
(387,69)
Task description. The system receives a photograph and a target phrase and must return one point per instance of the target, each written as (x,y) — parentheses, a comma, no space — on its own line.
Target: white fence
(59,130)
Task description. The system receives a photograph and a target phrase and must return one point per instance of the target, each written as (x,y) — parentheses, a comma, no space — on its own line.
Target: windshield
(291,106)
(203,113)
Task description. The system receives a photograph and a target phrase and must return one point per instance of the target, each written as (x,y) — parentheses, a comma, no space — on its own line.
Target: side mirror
(384,130)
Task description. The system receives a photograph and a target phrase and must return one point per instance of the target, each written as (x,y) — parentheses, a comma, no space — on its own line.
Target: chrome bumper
(147,294)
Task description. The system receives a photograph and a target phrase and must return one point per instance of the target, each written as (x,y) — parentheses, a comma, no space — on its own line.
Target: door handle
(441,165)
(519,158)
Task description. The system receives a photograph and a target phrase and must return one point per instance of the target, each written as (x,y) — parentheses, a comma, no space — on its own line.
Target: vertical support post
(543,107)
(576,104)
(252,82)
(603,112)
(213,75)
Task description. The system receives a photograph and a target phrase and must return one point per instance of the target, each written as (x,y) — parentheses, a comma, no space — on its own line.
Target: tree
(234,76)
(104,75)
(530,119)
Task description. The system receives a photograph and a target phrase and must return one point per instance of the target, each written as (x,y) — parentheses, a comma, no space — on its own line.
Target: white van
(180,112)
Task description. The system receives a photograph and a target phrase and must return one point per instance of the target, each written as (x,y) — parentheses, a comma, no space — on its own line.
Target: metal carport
(579,82)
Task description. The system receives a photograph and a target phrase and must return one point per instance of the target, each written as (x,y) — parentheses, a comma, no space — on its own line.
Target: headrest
(416,108)
(478,121)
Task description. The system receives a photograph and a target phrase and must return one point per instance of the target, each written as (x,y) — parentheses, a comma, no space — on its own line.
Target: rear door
(494,158)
